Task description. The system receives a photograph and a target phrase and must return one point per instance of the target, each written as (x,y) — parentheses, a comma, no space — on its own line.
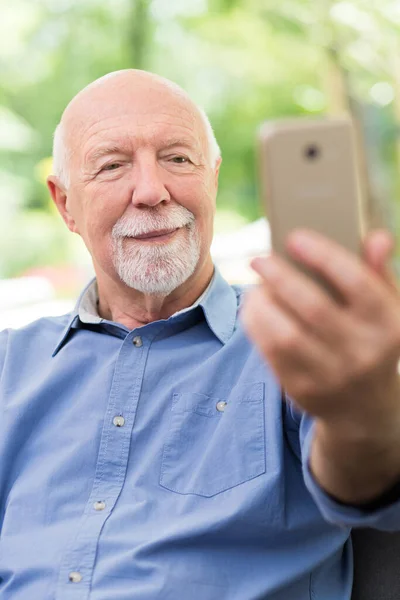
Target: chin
(157,279)
(161,269)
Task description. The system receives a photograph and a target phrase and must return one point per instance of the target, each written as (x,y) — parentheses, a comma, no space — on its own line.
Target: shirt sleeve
(3,349)
(385,519)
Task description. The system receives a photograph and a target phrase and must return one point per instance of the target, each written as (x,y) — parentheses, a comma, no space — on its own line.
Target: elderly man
(147,450)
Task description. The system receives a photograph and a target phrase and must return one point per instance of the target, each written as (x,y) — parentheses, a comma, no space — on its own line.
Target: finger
(296,358)
(303,299)
(378,250)
(355,340)
(343,270)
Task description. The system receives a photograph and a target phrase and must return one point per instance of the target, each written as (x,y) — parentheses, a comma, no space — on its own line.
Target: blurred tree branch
(139,33)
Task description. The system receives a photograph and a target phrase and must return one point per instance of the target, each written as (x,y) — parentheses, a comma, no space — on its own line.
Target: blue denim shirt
(160,463)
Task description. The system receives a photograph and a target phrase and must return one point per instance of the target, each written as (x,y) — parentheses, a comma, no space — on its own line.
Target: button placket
(111,466)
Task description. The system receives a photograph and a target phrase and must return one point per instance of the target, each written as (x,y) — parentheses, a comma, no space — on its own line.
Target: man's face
(140,164)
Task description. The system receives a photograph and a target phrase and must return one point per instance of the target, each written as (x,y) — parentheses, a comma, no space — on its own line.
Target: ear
(216,171)
(60,198)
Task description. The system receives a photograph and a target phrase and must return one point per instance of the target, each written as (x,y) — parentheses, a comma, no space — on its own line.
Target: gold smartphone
(309,179)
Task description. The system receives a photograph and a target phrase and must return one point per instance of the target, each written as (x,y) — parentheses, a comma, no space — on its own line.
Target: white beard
(158,268)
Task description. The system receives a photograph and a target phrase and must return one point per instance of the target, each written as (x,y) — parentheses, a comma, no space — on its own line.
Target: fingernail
(300,241)
(264,266)
(256,264)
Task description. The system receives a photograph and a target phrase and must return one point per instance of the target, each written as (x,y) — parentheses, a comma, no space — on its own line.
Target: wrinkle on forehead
(137,121)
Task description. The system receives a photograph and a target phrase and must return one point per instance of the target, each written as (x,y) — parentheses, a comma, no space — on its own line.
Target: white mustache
(133,226)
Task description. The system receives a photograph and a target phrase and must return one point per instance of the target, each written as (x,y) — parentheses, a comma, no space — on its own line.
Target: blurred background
(244,61)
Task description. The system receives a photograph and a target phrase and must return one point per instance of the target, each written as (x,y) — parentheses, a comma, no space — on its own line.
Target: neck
(122,304)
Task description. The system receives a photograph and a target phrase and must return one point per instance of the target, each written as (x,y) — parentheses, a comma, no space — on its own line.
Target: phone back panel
(309,176)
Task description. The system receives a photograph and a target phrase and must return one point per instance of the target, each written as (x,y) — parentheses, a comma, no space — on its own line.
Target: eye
(111,167)
(180,160)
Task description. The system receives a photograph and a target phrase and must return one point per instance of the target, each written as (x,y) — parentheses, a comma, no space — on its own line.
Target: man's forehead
(138,105)
(134,127)
(127,134)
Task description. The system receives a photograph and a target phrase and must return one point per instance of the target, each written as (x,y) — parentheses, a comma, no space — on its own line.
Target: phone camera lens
(312,152)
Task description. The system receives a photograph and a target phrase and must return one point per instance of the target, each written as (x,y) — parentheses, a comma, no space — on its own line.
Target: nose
(148,185)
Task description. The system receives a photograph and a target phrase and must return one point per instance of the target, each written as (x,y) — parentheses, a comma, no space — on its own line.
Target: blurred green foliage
(244,61)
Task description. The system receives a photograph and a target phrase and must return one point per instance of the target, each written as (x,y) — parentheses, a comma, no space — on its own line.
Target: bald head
(117,92)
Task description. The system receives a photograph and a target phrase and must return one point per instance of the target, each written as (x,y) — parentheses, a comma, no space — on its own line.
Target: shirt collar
(219,303)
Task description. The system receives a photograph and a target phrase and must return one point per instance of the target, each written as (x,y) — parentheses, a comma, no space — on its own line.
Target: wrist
(357,467)
(388,497)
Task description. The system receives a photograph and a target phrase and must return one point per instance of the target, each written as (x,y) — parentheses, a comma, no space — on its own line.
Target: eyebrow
(171,142)
(104,151)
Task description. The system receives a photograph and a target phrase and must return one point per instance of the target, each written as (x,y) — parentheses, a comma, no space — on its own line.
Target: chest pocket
(214,443)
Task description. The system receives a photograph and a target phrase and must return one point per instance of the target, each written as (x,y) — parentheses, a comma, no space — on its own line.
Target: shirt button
(137,341)
(221,406)
(119,421)
(99,505)
(75,577)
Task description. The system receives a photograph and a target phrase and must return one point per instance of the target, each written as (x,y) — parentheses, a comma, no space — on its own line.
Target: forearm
(355,469)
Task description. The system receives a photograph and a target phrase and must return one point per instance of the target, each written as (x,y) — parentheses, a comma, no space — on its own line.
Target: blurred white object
(250,240)
(25,299)
(24,290)
(27,314)
(15,133)
(233,251)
